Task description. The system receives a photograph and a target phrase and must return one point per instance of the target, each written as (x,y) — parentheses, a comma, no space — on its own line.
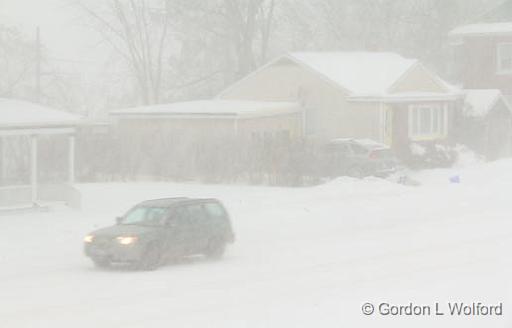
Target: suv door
(178,232)
(199,227)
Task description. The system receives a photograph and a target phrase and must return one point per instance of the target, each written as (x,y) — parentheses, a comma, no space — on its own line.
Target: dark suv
(163,229)
(358,158)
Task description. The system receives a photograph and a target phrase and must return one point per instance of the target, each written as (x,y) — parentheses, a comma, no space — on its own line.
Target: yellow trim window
(427,121)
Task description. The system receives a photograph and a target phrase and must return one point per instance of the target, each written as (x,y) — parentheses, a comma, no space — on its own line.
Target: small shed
(486,123)
(25,123)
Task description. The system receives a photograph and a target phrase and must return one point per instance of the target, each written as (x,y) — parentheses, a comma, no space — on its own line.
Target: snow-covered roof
(23,114)
(479,102)
(371,75)
(483,29)
(360,73)
(213,108)
(399,97)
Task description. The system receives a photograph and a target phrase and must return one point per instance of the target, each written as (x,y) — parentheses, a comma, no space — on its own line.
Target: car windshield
(144,215)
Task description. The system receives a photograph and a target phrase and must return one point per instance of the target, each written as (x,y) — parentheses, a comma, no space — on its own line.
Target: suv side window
(179,216)
(196,214)
(215,210)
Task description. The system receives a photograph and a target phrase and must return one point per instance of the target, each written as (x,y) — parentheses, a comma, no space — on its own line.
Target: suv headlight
(125,240)
(88,239)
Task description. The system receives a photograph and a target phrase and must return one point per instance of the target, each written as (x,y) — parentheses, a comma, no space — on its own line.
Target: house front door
(400,129)
(388,126)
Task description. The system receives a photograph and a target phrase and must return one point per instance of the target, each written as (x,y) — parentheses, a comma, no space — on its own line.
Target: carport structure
(30,122)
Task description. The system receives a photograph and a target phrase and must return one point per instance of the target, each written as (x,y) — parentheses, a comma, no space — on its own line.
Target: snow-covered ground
(307,257)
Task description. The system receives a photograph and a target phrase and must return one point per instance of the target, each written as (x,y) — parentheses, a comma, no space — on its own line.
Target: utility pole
(38,65)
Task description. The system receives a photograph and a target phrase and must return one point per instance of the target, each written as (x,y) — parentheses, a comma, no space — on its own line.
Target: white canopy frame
(34,134)
(33,121)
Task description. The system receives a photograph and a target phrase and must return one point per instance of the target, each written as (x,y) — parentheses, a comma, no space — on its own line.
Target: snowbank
(305,257)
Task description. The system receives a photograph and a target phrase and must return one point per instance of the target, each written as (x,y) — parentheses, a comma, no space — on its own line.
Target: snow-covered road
(306,257)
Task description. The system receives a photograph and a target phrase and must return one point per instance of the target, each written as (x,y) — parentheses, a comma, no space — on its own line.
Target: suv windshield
(144,215)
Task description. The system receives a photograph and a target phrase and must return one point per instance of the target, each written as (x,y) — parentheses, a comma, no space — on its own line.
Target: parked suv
(163,229)
(358,158)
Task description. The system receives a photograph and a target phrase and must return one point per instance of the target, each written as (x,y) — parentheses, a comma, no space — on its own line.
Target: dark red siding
(476,59)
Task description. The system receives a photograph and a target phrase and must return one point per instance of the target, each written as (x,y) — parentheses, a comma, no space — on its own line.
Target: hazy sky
(60,24)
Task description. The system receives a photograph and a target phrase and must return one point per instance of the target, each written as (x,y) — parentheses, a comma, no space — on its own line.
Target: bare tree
(17,58)
(138,31)
(416,28)
(190,49)
(249,22)
(244,28)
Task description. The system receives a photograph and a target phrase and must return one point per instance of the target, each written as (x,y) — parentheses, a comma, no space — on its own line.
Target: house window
(504,58)
(427,121)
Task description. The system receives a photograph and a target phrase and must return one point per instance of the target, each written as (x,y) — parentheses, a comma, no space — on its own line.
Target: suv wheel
(150,259)
(215,249)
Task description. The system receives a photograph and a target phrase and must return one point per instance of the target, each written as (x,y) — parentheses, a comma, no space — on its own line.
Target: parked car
(358,158)
(156,231)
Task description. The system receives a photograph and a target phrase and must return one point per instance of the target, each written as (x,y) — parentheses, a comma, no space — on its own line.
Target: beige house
(381,96)
(320,96)
(317,97)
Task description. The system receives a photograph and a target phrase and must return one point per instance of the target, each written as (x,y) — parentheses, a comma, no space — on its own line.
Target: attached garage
(211,118)
(220,138)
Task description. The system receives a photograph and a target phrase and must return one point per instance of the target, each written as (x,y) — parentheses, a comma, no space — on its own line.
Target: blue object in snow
(455,179)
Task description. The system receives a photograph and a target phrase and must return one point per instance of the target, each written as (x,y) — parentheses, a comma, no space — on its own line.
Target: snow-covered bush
(467,157)
(430,155)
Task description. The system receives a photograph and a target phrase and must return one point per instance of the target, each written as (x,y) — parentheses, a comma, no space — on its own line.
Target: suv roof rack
(165,201)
